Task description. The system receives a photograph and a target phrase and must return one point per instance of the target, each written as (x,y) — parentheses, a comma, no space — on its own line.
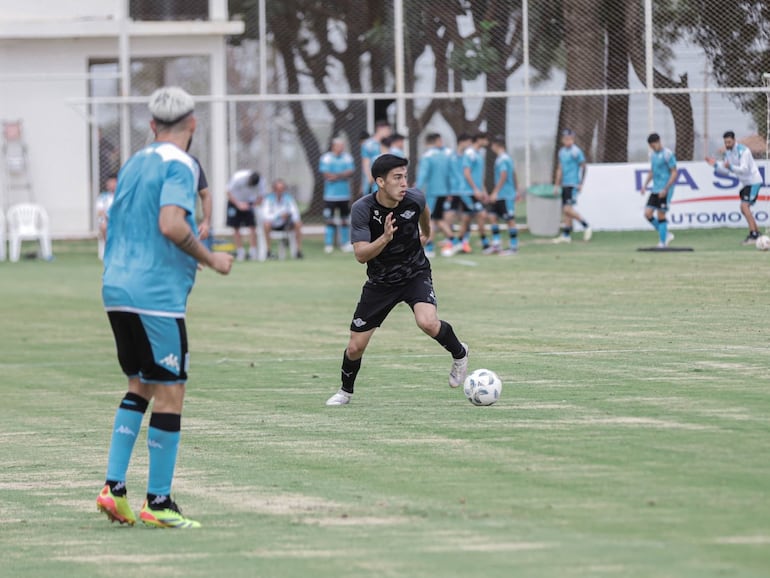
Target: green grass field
(632,438)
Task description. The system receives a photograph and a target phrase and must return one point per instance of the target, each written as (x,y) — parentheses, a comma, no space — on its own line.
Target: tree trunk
(680,105)
(613,146)
(584,41)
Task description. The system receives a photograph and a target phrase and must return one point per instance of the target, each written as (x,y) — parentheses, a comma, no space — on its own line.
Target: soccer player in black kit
(388,230)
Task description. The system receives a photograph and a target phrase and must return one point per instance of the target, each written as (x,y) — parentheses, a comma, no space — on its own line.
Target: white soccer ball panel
(763,243)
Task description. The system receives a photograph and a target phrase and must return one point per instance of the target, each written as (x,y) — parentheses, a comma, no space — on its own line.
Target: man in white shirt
(281,213)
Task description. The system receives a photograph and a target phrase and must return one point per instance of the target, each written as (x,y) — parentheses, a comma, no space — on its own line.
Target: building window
(169,9)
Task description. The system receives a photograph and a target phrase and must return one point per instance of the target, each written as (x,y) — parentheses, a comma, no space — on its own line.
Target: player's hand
(390,227)
(579,187)
(203,230)
(556,190)
(221,262)
(711,161)
(243,206)
(493,198)
(663,194)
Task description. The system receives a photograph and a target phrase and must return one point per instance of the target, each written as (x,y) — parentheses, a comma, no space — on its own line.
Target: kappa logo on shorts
(171,361)
(358,322)
(407,214)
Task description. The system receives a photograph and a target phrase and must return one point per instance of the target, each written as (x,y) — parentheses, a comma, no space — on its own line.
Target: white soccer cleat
(562,239)
(459,369)
(447,250)
(329,249)
(669,237)
(587,234)
(339,398)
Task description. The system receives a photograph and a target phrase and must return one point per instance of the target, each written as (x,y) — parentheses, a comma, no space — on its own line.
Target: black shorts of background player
(388,231)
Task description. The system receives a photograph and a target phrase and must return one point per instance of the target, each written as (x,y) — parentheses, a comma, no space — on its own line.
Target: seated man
(280,213)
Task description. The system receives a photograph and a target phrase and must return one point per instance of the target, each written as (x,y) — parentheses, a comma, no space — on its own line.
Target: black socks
(349,372)
(448,340)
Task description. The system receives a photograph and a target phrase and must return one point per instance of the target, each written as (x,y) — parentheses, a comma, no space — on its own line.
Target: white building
(53,56)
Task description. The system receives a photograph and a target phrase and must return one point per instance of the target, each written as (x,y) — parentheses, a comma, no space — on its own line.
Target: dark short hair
(254,179)
(386,163)
(479,136)
(654,137)
(498,139)
(396,136)
(729,134)
(464,136)
(432,137)
(381,123)
(363,135)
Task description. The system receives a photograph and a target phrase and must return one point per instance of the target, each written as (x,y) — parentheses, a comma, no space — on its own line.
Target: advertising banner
(610,200)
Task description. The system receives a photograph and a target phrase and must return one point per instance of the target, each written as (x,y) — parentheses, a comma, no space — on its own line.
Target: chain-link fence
(611,71)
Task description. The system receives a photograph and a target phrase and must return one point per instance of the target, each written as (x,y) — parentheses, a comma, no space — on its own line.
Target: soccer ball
(482,387)
(763,243)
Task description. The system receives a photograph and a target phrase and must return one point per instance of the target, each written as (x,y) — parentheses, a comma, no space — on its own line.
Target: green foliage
(477,54)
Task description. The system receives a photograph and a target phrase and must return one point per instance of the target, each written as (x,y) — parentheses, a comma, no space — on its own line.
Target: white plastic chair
(285,238)
(28,222)
(2,236)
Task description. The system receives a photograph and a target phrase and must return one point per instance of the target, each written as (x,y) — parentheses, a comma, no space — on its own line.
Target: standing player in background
(663,173)
(433,174)
(336,167)
(570,174)
(502,199)
(389,228)
(457,184)
(243,194)
(394,145)
(370,150)
(473,175)
(102,205)
(149,269)
(738,162)
(280,213)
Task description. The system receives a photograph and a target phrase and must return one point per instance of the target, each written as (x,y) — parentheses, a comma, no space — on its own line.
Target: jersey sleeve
(467,161)
(349,164)
(179,187)
(423,170)
(359,224)
(323,166)
(203,182)
(580,157)
(671,161)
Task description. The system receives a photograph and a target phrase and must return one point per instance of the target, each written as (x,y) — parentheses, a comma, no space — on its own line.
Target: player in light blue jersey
(336,166)
(502,200)
(738,161)
(150,261)
(473,196)
(370,150)
(433,179)
(454,206)
(394,145)
(663,173)
(570,173)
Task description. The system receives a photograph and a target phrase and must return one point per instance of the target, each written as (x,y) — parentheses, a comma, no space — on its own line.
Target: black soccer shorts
(655,202)
(237,218)
(151,347)
(377,301)
(569,196)
(437,207)
(330,207)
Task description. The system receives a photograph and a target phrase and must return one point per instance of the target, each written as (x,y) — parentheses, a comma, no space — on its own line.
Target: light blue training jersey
(571,160)
(457,182)
(434,171)
(144,272)
(662,163)
(336,164)
(474,160)
(369,150)
(504,163)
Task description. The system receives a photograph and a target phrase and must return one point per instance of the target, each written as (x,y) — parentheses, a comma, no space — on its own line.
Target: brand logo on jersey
(377,217)
(126,431)
(358,322)
(171,361)
(407,214)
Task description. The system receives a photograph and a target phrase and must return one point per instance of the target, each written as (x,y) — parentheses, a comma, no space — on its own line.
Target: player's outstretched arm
(366,251)
(174,227)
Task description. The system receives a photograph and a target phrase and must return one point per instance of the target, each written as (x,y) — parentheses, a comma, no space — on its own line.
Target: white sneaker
(562,239)
(339,398)
(347,248)
(669,237)
(587,234)
(459,369)
(491,250)
(329,249)
(240,254)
